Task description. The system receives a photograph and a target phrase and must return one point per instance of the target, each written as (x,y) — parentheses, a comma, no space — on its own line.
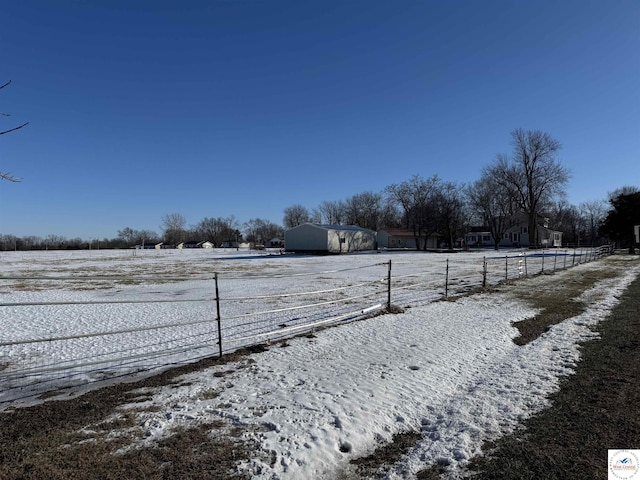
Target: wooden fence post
(484,272)
(446,281)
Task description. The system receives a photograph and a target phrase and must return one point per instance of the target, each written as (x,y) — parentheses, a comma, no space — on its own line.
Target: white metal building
(314,238)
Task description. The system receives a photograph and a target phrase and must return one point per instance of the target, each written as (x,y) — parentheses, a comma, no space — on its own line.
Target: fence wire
(82,337)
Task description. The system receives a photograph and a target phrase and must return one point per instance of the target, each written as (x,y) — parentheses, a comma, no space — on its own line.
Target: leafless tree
(416,198)
(173,227)
(593,212)
(261,231)
(218,230)
(6,176)
(365,210)
(330,212)
(492,204)
(296,215)
(532,175)
(451,212)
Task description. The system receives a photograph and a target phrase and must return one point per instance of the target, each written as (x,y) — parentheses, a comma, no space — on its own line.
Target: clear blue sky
(217,108)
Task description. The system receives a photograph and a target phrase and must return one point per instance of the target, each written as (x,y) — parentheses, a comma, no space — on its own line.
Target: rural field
(473,346)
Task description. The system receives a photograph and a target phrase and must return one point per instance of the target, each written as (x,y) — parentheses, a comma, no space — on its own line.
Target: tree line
(526,184)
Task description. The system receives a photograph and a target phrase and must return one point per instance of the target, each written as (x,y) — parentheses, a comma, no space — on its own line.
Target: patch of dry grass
(80,438)
(596,409)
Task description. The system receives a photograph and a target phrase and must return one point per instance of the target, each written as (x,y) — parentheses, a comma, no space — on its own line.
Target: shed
(314,238)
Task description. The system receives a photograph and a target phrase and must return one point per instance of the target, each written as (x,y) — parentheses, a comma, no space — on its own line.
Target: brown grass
(596,409)
(79,438)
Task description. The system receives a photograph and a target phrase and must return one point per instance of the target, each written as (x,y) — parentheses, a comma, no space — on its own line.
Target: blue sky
(210,109)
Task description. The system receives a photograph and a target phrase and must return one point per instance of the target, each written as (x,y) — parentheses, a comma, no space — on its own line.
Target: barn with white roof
(315,238)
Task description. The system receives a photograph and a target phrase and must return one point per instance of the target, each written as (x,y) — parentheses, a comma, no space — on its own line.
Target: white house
(404,238)
(314,238)
(517,236)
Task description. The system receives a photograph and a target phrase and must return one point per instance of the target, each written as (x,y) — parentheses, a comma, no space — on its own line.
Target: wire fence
(63,334)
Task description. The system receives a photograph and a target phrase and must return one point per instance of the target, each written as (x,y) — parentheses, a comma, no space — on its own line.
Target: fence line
(30,367)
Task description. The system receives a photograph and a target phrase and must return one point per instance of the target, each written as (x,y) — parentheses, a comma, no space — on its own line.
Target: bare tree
(568,219)
(261,231)
(295,215)
(331,213)
(365,210)
(6,176)
(416,198)
(493,205)
(173,227)
(593,213)
(451,212)
(532,175)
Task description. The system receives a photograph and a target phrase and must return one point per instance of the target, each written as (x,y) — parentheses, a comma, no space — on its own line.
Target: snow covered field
(447,369)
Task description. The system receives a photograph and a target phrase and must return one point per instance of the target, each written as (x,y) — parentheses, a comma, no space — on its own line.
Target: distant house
(150,246)
(194,244)
(517,236)
(275,242)
(402,238)
(314,238)
(189,244)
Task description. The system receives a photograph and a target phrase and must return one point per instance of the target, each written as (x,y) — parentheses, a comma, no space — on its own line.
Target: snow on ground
(447,369)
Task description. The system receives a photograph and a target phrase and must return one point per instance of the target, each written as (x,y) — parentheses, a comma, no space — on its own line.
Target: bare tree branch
(14,129)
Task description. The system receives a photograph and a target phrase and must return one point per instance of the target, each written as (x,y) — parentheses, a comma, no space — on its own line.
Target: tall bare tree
(532,174)
(6,176)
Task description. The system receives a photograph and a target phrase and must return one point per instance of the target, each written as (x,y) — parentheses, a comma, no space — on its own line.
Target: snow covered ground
(447,369)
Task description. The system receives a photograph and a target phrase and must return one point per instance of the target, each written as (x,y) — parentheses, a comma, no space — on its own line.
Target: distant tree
(218,229)
(330,213)
(364,210)
(173,227)
(569,220)
(261,231)
(492,204)
(417,199)
(6,176)
(295,215)
(451,212)
(623,215)
(593,214)
(532,175)
(127,235)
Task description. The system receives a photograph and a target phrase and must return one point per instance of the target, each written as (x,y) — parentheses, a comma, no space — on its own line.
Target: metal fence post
(446,281)
(218,316)
(542,261)
(555,260)
(389,288)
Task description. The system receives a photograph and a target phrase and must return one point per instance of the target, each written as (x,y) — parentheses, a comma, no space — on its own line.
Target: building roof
(353,228)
